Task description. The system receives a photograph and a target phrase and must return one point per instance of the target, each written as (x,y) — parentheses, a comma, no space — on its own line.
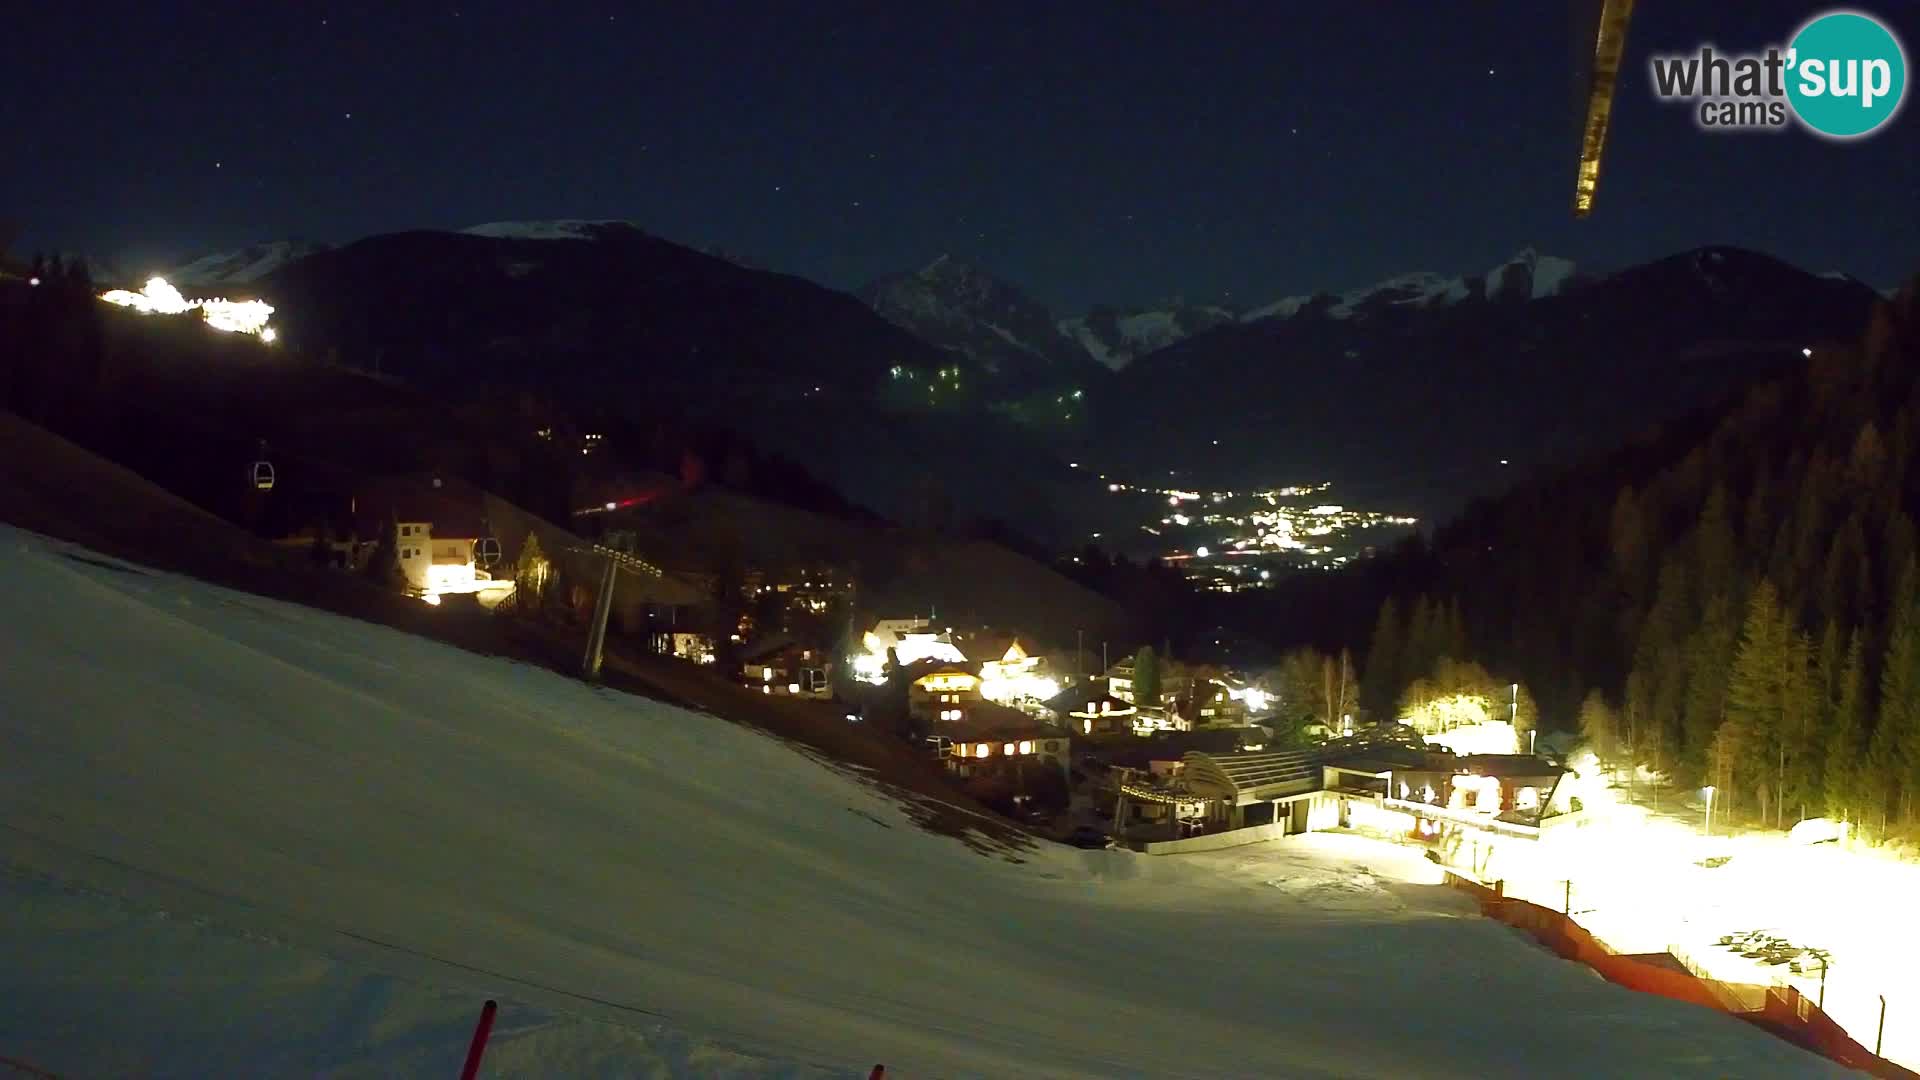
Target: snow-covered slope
(246,838)
(1117,337)
(1527,276)
(1530,276)
(1004,333)
(243,266)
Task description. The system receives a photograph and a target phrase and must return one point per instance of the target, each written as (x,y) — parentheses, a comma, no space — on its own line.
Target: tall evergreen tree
(1709,654)
(1847,737)
(1600,726)
(1423,640)
(1146,677)
(1386,660)
(1802,748)
(1897,736)
(1756,694)
(1714,551)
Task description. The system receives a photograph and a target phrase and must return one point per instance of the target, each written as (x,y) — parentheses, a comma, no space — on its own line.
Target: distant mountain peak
(960,307)
(1118,336)
(1528,275)
(556,229)
(242,265)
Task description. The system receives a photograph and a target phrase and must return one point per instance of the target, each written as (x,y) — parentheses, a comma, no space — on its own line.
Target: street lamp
(1708,792)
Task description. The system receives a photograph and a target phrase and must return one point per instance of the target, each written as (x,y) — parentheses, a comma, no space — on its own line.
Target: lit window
(1007,749)
(1026,747)
(982,750)
(766,674)
(1086,727)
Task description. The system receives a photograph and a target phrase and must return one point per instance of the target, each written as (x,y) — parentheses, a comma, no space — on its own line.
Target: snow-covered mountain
(558,229)
(1115,337)
(1530,275)
(243,266)
(1527,276)
(964,308)
(1000,329)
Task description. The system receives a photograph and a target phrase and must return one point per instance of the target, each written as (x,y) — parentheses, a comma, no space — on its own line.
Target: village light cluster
(234,317)
(1290,522)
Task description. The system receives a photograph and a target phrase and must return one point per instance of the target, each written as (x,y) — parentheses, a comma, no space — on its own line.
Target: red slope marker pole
(480,1033)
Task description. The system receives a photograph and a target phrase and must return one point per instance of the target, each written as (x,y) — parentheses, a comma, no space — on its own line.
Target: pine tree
(1146,677)
(383,566)
(1386,661)
(1802,750)
(532,575)
(1756,694)
(1709,654)
(1600,726)
(1347,689)
(1847,737)
(1453,631)
(1896,743)
(1423,640)
(1715,555)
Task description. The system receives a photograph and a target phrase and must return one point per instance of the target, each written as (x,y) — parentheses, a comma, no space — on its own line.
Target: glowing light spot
(160,298)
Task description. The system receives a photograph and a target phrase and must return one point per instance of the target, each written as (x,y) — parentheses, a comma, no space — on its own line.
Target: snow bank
(368,833)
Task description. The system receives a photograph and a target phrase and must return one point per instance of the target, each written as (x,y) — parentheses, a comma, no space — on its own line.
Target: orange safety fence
(1784,1011)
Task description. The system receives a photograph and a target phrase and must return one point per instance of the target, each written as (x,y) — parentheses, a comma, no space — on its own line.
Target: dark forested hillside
(1421,405)
(1732,599)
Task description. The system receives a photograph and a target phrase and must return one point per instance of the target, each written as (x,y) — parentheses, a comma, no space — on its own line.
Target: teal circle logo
(1847,74)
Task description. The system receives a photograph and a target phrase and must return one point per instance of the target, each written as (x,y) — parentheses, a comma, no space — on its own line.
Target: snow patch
(1080,332)
(1284,308)
(248,264)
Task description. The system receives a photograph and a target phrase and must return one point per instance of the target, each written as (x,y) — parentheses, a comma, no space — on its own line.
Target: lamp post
(1708,792)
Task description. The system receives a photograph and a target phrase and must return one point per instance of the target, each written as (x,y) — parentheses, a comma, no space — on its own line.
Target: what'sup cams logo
(1842,76)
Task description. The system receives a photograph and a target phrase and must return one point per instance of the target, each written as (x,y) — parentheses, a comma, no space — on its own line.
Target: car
(1086,836)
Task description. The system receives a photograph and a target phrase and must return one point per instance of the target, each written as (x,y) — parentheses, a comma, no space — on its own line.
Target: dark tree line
(1731,599)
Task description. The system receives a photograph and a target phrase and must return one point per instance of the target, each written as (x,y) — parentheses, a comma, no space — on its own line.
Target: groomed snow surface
(245,838)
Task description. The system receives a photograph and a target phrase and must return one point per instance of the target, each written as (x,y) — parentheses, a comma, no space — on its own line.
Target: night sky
(1090,151)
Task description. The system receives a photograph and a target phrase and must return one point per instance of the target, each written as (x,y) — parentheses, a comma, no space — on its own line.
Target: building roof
(1074,699)
(921,669)
(767,646)
(986,722)
(993,645)
(1506,765)
(1139,751)
(1246,778)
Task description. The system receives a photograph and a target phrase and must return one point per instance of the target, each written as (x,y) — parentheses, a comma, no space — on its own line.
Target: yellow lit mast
(1609,43)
